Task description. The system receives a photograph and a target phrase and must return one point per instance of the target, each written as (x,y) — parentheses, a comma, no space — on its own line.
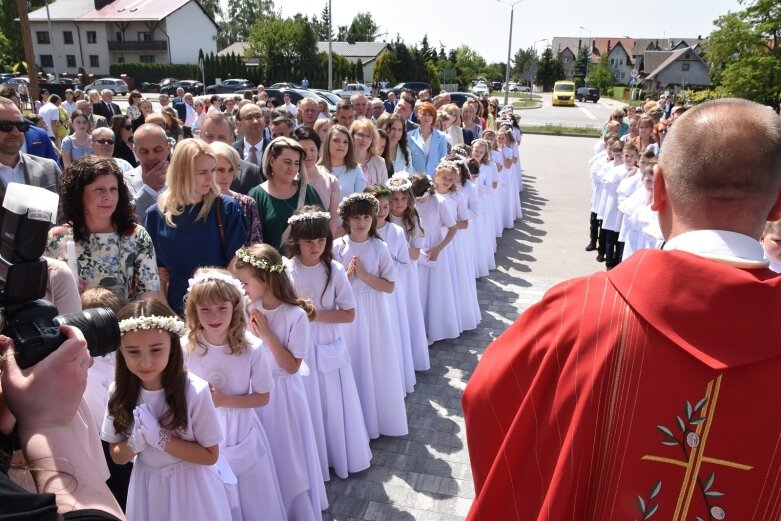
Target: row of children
(286,367)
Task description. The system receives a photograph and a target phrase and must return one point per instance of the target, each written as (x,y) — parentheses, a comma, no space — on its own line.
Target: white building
(94,34)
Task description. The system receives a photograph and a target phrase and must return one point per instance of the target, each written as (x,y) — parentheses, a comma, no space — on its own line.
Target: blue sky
(484,24)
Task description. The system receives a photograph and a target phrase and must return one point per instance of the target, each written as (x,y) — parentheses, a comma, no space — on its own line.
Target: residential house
(682,67)
(366,52)
(93,34)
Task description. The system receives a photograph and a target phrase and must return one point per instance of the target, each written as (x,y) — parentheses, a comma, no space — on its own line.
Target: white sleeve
(204,422)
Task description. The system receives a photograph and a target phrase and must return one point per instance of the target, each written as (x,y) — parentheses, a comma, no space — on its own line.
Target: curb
(534,132)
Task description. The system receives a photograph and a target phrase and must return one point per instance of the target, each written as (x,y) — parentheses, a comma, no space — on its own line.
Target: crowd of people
(278,279)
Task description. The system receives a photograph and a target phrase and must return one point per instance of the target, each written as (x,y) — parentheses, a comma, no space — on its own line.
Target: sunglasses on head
(104,141)
(21,126)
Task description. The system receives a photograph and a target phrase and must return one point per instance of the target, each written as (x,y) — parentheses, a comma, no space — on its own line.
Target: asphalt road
(587,114)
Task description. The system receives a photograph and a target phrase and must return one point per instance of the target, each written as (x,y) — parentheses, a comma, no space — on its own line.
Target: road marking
(591,116)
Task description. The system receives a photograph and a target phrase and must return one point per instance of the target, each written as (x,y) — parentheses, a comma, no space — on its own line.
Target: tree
(582,64)
(523,64)
(469,64)
(383,68)
(745,52)
(362,29)
(433,76)
(320,27)
(425,49)
(285,47)
(212,7)
(600,75)
(241,17)
(550,69)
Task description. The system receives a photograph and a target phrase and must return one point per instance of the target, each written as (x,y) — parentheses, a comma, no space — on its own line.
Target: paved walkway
(426,475)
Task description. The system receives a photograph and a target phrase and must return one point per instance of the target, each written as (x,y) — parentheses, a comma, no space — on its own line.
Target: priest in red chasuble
(652,391)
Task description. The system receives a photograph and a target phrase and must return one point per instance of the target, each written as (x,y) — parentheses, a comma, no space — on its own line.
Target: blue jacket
(437,151)
(38,143)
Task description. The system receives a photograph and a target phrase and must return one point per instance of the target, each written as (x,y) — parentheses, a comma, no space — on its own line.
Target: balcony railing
(152,45)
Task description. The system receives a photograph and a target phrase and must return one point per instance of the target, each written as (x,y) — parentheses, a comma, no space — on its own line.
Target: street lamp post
(509,51)
(330,50)
(588,56)
(534,65)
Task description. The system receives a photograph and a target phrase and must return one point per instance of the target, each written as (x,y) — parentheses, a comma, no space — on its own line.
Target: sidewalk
(426,474)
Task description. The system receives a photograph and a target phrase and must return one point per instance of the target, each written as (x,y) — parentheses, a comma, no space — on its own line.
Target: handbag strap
(220,225)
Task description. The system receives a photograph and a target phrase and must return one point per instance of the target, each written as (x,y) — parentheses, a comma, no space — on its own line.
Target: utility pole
(330,49)
(29,57)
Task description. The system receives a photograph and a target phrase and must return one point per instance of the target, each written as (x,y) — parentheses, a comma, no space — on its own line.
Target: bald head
(721,168)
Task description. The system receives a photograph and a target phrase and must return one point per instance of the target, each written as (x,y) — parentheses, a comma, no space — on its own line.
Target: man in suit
(405,107)
(95,121)
(36,140)
(15,166)
(178,104)
(217,128)
(390,103)
(147,180)
(251,123)
(106,108)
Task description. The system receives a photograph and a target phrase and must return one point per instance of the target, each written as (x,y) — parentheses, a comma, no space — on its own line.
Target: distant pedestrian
(305,83)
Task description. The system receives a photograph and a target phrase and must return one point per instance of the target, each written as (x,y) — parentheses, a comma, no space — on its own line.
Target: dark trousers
(593,228)
(601,237)
(188,132)
(614,249)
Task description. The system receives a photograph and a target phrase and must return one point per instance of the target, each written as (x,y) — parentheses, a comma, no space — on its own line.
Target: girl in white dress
(487,181)
(394,238)
(369,338)
(317,277)
(447,181)
(437,294)
(281,320)
(219,350)
(403,214)
(510,158)
(469,170)
(503,218)
(164,419)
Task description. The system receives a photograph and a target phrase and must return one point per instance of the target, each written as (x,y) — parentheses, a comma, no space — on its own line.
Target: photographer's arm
(57,459)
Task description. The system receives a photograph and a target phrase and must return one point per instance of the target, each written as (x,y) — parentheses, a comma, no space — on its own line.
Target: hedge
(154,72)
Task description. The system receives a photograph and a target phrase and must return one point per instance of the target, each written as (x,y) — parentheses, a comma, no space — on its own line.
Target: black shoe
(591,246)
(600,257)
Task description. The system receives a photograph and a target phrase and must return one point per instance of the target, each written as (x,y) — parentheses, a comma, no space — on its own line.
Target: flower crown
(309,216)
(170,324)
(215,275)
(381,191)
(405,185)
(356,197)
(245,256)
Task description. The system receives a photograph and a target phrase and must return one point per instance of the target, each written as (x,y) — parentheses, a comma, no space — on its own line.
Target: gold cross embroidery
(697,454)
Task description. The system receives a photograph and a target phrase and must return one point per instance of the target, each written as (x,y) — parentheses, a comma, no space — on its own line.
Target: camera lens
(99,326)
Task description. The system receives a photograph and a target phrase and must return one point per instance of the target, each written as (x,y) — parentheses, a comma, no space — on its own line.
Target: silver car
(115,85)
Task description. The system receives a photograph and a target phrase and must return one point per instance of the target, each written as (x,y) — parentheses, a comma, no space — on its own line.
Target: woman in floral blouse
(100,239)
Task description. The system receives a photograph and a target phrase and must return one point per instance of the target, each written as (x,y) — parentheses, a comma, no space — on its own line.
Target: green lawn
(563,130)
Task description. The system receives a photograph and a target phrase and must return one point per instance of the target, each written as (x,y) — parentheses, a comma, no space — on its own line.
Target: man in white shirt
(288,106)
(147,180)
(50,114)
(190,115)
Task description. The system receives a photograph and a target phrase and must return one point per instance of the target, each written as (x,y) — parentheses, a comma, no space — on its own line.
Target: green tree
(469,64)
(241,18)
(433,76)
(549,69)
(11,49)
(600,75)
(213,8)
(362,29)
(581,64)
(285,47)
(425,49)
(383,68)
(523,64)
(745,52)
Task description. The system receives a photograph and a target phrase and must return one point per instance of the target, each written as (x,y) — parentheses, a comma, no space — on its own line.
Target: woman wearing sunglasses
(123,135)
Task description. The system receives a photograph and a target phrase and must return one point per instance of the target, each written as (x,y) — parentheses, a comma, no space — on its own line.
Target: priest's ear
(775,211)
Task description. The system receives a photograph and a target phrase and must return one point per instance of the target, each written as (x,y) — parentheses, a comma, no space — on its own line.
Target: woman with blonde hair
(285,190)
(337,157)
(365,137)
(192,224)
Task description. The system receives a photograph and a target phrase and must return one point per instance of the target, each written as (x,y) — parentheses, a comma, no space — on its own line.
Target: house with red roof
(93,34)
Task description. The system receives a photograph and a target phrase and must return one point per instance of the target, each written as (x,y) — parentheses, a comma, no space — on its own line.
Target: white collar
(258,146)
(731,248)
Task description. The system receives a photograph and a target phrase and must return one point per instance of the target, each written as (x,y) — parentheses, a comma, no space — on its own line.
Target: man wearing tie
(217,128)
(106,108)
(390,103)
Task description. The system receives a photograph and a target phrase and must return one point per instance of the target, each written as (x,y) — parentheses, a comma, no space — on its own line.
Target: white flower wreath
(405,185)
(354,198)
(263,264)
(170,324)
(308,216)
(214,275)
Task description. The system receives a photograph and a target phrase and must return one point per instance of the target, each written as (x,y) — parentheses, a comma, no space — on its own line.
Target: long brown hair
(308,230)
(278,282)
(410,216)
(211,291)
(128,386)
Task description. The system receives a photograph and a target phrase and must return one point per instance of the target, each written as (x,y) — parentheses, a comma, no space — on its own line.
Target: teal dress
(193,244)
(274,212)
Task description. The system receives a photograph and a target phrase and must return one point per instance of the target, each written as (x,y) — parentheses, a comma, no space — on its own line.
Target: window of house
(47,60)
(92,37)
(42,36)
(71,59)
(147,58)
(121,59)
(685,67)
(94,60)
(144,36)
(67,37)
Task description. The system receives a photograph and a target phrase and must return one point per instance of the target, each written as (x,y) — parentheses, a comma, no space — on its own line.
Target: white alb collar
(731,248)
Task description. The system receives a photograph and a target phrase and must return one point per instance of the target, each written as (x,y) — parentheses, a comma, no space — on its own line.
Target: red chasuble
(649,392)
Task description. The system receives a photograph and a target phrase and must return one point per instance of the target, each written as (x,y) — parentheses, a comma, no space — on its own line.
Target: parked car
(479,88)
(5,76)
(149,87)
(70,82)
(496,85)
(192,86)
(513,87)
(352,88)
(285,85)
(296,95)
(585,94)
(414,86)
(328,96)
(15,82)
(459,98)
(115,85)
(563,93)
(232,85)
